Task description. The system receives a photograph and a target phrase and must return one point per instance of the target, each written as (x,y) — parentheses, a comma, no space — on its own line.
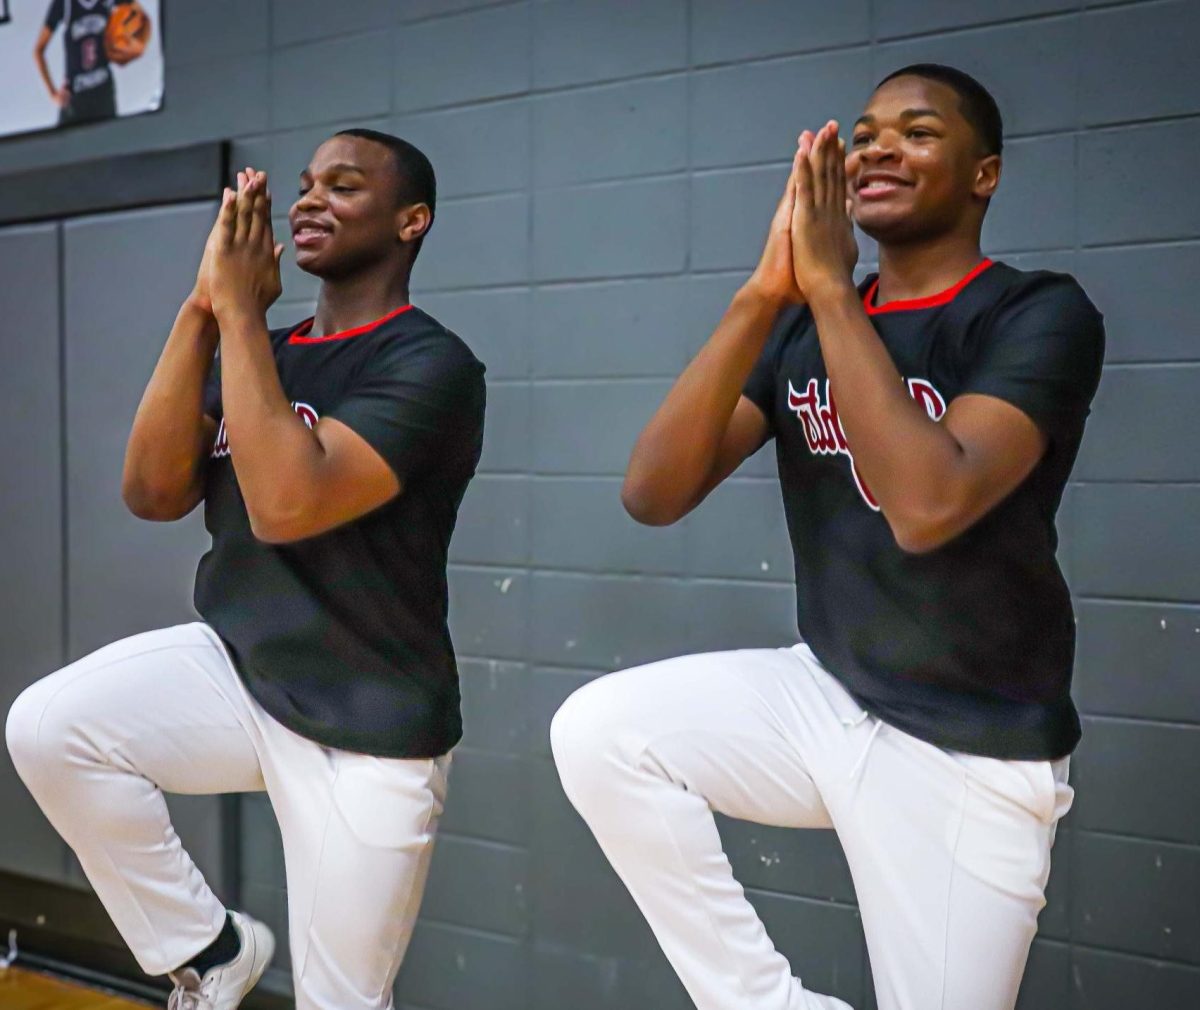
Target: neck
(925,268)
(359,299)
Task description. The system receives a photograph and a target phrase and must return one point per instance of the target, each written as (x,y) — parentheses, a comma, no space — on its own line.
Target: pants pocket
(389,803)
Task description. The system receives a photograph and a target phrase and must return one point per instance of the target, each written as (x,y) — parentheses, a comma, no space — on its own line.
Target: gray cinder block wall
(607,169)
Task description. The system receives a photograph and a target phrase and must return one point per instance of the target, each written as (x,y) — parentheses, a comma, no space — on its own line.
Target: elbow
(919,539)
(275,531)
(155,504)
(646,508)
(279,524)
(924,527)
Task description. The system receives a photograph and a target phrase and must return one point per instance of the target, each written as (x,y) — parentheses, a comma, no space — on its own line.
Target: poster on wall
(64,62)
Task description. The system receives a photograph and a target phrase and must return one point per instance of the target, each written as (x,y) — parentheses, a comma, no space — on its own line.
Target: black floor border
(64,931)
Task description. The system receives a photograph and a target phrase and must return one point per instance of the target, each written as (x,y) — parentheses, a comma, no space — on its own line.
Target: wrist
(197,304)
(234,316)
(826,292)
(755,293)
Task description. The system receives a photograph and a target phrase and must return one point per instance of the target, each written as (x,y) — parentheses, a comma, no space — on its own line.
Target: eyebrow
(867,119)
(338,166)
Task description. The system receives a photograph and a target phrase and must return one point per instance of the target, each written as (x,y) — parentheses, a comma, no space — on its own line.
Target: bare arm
(59,95)
(171,436)
(705,428)
(296,482)
(933,480)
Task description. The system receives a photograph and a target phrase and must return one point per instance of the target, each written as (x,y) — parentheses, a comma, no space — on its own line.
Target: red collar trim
(904,304)
(300,333)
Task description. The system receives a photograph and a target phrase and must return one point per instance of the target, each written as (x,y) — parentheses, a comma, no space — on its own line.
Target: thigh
(950,854)
(159,704)
(357,837)
(733,727)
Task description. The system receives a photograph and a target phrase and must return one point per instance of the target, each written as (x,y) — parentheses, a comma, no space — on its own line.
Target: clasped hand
(810,246)
(240,268)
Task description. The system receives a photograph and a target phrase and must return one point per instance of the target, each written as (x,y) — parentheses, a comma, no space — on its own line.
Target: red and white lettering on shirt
(823,428)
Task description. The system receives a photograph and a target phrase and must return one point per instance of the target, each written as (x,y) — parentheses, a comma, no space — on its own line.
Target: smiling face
(348,216)
(916,168)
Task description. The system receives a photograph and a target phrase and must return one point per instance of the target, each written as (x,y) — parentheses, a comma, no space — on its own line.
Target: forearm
(276,456)
(675,453)
(908,461)
(39,57)
(169,439)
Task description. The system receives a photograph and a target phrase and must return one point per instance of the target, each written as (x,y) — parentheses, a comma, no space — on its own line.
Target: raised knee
(585,738)
(21,731)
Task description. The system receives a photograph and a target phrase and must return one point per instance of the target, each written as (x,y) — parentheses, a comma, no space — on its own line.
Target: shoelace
(183,999)
(188,993)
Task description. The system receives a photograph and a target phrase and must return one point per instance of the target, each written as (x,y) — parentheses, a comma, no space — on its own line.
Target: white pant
(97,741)
(949,852)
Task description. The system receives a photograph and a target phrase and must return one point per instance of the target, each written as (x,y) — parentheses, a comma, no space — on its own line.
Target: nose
(881,148)
(311,200)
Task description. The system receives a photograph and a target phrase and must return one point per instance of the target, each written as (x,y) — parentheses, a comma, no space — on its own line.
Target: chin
(893,228)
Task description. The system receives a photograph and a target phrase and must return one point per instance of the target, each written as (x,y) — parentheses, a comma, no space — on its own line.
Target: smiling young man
(925,424)
(331,457)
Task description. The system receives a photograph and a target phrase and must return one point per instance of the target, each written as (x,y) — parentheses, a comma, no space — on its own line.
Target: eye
(860,139)
(920,131)
(302,190)
(343,189)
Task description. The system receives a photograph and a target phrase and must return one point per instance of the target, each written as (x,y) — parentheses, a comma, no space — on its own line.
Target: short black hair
(975,102)
(414,171)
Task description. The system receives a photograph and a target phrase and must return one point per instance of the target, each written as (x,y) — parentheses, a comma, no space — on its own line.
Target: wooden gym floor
(27,990)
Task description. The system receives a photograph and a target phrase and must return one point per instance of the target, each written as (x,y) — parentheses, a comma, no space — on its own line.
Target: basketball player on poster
(97,34)
(925,424)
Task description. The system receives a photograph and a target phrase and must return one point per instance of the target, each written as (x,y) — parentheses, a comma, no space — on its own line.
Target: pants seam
(962,818)
(300,970)
(691,876)
(37,730)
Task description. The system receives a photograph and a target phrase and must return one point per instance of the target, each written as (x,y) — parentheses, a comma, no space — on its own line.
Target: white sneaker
(223,987)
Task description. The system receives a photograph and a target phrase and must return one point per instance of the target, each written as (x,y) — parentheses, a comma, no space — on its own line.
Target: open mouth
(308,234)
(879,187)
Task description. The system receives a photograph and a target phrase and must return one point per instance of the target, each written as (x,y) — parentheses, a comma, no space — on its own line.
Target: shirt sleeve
(54,14)
(761,385)
(1043,354)
(413,404)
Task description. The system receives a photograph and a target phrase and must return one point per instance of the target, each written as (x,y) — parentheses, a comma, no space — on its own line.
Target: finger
(816,160)
(840,174)
(245,211)
(227,216)
(254,234)
(268,224)
(804,175)
(832,160)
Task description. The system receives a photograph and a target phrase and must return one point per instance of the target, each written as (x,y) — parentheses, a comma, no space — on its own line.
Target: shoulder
(421,349)
(1049,297)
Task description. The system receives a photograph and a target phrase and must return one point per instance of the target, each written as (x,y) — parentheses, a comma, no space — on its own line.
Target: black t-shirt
(83,41)
(971,645)
(342,637)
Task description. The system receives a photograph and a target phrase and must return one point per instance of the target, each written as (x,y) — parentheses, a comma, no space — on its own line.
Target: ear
(987,177)
(413,221)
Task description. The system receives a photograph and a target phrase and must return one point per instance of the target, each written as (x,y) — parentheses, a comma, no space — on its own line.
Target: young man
(331,458)
(925,425)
